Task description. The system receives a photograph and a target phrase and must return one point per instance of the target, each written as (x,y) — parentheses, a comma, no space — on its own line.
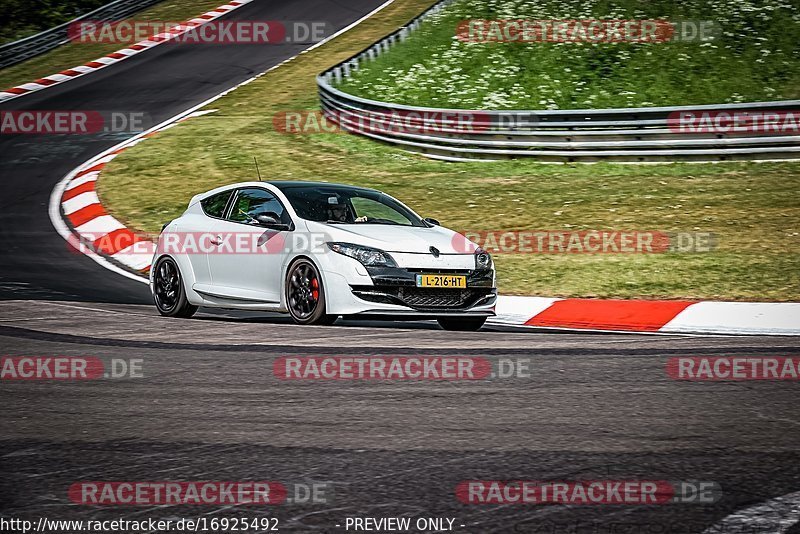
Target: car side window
(214,206)
(252,202)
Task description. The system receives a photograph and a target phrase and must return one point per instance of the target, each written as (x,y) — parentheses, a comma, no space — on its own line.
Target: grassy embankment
(754,56)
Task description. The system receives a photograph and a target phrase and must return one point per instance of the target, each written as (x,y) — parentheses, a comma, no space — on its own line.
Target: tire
(305,294)
(462,324)
(168,291)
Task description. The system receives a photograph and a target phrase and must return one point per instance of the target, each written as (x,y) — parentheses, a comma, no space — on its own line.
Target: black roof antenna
(257,171)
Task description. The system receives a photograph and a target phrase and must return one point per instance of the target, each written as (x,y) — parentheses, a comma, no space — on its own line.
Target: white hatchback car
(319,251)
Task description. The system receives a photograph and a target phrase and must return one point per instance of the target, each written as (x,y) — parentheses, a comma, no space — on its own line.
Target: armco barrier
(47,40)
(626,135)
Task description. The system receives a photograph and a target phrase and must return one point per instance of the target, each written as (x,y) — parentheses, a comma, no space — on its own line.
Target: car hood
(408,239)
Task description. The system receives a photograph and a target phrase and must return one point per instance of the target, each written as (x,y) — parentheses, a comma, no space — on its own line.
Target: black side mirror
(431,221)
(270,220)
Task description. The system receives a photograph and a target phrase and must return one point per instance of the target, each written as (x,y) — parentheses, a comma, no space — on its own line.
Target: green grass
(752,208)
(74,54)
(756,58)
(22,18)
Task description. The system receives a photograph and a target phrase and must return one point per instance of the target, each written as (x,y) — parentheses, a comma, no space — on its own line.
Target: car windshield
(336,204)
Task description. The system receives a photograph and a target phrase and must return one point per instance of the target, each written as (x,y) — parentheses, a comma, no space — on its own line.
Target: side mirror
(270,220)
(431,221)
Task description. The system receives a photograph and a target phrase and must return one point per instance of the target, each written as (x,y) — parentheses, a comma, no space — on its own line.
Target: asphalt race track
(209,407)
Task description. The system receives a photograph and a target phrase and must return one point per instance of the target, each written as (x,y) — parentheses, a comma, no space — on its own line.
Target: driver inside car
(338,212)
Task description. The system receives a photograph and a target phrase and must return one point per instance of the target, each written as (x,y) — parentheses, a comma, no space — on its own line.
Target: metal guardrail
(18,51)
(625,135)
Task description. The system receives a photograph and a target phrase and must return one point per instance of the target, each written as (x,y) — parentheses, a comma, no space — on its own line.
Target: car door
(193,230)
(246,259)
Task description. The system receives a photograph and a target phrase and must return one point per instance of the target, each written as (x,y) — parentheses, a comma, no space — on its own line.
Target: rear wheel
(168,291)
(305,295)
(462,324)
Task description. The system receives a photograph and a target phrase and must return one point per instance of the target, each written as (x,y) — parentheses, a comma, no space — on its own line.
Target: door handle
(217,241)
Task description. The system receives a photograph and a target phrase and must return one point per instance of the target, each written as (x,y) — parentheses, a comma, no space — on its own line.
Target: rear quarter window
(214,206)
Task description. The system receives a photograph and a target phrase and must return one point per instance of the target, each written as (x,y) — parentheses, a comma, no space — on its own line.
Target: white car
(319,251)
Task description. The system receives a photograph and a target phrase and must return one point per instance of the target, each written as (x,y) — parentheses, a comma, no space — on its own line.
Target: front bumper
(353,289)
(397,286)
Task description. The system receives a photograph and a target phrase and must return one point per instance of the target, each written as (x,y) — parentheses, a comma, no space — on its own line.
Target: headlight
(369,257)
(483,260)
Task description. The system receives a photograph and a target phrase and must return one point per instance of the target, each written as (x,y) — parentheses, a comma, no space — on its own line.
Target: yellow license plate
(441,280)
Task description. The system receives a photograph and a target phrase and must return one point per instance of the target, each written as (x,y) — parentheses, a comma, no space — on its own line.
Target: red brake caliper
(315,289)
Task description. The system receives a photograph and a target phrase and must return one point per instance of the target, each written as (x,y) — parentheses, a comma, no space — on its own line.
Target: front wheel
(305,295)
(462,324)
(168,291)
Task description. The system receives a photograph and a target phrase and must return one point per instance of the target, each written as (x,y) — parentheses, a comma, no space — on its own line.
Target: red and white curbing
(654,316)
(92,230)
(119,55)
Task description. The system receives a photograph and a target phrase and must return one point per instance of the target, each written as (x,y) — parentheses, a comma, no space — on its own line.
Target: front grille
(465,272)
(423,298)
(434,298)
